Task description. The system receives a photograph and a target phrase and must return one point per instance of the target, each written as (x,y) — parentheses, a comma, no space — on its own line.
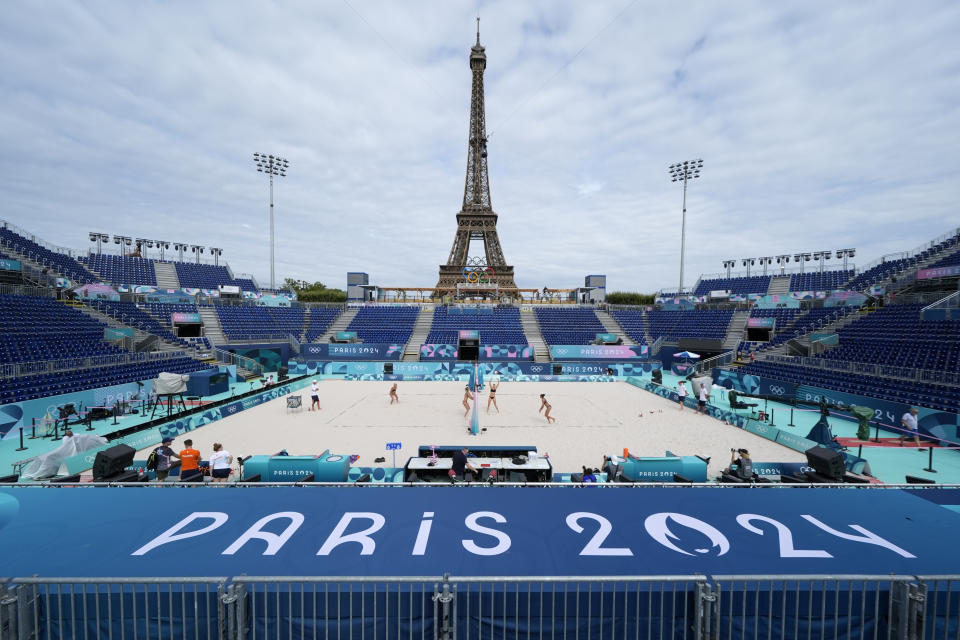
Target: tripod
(171,400)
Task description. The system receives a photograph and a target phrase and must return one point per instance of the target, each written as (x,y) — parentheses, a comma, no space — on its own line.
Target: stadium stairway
(27,261)
(212,330)
(779,285)
(804,339)
(421,329)
(531,329)
(612,326)
(340,324)
(735,329)
(166,274)
(139,335)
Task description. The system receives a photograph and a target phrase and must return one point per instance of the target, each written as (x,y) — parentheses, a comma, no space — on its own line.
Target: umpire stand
(468,349)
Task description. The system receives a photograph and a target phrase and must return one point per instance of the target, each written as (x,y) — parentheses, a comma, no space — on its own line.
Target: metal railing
(902,255)
(36,240)
(294,343)
(698,607)
(865,368)
(242,362)
(27,290)
(655,347)
(949,302)
(813,268)
(16,369)
(716,361)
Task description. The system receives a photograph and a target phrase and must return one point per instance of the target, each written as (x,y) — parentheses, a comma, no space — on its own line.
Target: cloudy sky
(821,125)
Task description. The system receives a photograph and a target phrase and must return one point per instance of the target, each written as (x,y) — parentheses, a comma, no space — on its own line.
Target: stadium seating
(887,268)
(388,325)
(49,384)
(709,324)
(319,321)
(203,276)
(744,285)
(940,397)
(502,326)
(59,262)
(947,261)
(36,329)
(568,326)
(632,322)
(132,315)
(895,335)
(816,281)
(245,284)
(251,323)
(121,269)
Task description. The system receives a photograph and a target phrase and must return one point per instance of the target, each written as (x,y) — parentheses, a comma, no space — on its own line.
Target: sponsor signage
(761,323)
(599,352)
(186,318)
(346,336)
(488,531)
(351,351)
(469,334)
(939,272)
(747,383)
(9,265)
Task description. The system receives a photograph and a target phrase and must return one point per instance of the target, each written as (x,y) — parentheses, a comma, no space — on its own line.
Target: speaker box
(388,368)
(826,462)
(679,478)
(123,476)
(254,478)
(112,461)
(99,413)
(74,479)
(9,479)
(657,376)
(365,478)
(910,480)
(306,478)
(283,373)
(558,369)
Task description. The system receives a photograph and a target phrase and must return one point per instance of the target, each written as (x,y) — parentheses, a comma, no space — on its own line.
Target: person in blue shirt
(588,475)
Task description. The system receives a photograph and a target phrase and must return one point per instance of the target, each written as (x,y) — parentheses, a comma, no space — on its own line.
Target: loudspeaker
(9,479)
(282,374)
(388,368)
(558,369)
(910,480)
(99,413)
(826,462)
(254,478)
(306,478)
(679,478)
(74,479)
(656,376)
(112,461)
(363,479)
(123,476)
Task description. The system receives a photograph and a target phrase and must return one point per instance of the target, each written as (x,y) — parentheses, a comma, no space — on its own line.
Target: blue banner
(487,531)
(508,371)
(9,265)
(753,384)
(351,351)
(435,351)
(599,352)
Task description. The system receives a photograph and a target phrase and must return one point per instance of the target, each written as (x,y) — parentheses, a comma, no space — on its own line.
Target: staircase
(646,331)
(612,326)
(302,336)
(735,329)
(340,324)
(212,330)
(779,285)
(421,329)
(139,335)
(531,329)
(833,327)
(166,275)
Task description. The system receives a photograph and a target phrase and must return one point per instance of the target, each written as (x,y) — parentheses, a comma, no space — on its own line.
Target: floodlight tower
(783,260)
(765,260)
(272,166)
(684,172)
(728,264)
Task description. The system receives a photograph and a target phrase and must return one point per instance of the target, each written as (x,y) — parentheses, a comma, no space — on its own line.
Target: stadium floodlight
(765,260)
(684,172)
(783,260)
(845,253)
(747,262)
(197,250)
(122,241)
(216,253)
(162,244)
(99,238)
(180,247)
(729,264)
(272,166)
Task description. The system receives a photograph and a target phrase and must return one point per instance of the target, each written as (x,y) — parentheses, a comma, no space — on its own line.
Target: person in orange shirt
(189,460)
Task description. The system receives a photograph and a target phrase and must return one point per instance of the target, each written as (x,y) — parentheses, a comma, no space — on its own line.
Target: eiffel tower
(476,219)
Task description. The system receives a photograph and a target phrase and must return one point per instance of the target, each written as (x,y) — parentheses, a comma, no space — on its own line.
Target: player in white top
(314,396)
(909,422)
(682,391)
(702,400)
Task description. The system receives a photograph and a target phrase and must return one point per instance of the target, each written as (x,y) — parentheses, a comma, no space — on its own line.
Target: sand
(593,420)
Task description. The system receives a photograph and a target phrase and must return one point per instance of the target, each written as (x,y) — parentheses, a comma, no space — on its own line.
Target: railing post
(231,612)
(444,627)
(9,614)
(705,612)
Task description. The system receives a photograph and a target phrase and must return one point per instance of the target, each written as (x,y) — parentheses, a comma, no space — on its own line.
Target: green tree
(629,297)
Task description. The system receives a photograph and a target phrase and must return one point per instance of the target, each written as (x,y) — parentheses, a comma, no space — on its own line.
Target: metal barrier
(68,364)
(697,607)
(249,364)
(705,366)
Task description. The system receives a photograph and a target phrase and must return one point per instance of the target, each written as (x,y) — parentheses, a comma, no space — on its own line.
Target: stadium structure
(731,461)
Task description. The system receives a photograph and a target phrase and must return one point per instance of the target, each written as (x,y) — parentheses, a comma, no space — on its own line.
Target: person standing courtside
(189,460)
(681,394)
(909,422)
(164,453)
(220,463)
(314,396)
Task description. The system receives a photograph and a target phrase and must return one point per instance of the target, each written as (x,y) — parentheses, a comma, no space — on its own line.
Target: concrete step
(612,326)
(212,330)
(340,324)
(779,285)
(421,329)
(166,274)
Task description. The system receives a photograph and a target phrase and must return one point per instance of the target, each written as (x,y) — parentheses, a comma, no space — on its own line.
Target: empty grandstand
(500,325)
(384,324)
(568,326)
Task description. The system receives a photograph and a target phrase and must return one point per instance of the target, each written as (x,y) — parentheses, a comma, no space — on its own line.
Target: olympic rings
(478,274)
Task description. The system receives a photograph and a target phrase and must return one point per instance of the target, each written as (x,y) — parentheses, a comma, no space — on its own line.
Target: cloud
(820,127)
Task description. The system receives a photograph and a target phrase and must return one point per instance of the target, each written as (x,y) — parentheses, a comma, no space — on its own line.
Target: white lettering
(503,543)
(171,535)
(274,541)
(336,537)
(784,535)
(868,537)
(657,525)
(423,535)
(595,546)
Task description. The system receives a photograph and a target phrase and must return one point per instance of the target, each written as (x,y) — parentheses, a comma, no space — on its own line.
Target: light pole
(683,172)
(179,247)
(765,260)
(272,166)
(728,264)
(197,250)
(846,253)
(747,262)
(99,238)
(783,260)
(162,244)
(216,255)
